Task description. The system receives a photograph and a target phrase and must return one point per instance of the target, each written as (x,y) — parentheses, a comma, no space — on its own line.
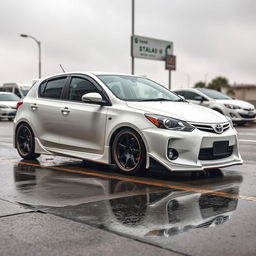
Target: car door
(82,125)
(45,111)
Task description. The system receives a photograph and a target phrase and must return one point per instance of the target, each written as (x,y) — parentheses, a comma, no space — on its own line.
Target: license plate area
(220,148)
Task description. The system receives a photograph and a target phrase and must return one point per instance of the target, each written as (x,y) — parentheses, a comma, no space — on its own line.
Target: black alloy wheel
(25,142)
(129,152)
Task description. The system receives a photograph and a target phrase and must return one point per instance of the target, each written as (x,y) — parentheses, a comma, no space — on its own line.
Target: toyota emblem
(218,128)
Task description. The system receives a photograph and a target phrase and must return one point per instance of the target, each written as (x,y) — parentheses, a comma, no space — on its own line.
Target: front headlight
(169,123)
(230,106)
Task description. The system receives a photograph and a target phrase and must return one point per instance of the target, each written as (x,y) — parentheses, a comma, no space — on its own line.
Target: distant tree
(199,85)
(218,83)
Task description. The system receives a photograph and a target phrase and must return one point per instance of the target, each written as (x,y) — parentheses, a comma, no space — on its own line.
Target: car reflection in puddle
(129,208)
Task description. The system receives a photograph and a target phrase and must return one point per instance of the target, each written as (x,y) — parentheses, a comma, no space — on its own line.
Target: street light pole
(132,37)
(39,53)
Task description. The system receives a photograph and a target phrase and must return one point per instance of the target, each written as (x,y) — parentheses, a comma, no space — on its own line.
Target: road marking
(246,134)
(145,182)
(252,141)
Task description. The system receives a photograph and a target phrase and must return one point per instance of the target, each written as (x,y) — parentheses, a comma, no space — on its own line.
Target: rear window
(52,89)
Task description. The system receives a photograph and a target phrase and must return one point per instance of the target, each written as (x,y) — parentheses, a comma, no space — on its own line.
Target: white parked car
(122,119)
(8,102)
(238,110)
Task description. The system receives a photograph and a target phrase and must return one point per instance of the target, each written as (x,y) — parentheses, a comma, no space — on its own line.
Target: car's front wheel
(128,151)
(25,142)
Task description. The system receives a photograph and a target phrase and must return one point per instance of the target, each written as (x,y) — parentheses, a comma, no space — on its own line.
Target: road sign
(150,48)
(170,62)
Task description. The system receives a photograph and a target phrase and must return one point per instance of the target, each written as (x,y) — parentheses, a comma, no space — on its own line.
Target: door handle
(34,107)
(65,111)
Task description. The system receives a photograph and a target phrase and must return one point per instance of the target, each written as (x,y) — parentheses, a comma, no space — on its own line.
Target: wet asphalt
(60,205)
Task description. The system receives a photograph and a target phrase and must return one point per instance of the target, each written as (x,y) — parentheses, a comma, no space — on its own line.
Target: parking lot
(61,205)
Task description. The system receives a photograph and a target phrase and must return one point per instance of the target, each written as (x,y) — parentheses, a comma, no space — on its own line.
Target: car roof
(186,89)
(89,73)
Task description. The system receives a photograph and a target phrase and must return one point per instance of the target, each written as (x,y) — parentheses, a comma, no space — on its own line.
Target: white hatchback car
(121,119)
(239,111)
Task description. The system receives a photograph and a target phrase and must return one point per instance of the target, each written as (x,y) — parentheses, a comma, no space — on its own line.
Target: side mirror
(199,98)
(182,97)
(93,97)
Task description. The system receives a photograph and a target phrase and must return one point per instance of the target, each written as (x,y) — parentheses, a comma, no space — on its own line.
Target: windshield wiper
(156,99)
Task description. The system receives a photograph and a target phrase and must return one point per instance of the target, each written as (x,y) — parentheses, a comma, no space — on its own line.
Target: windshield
(130,88)
(8,97)
(214,94)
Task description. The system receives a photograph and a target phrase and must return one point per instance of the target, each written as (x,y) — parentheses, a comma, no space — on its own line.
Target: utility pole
(132,37)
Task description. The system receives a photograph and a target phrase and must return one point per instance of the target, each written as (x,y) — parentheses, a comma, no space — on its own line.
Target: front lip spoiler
(198,168)
(224,166)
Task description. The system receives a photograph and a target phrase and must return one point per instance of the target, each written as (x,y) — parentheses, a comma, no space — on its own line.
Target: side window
(52,89)
(79,87)
(180,93)
(190,95)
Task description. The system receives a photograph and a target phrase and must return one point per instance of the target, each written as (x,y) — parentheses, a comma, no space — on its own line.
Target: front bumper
(240,115)
(188,145)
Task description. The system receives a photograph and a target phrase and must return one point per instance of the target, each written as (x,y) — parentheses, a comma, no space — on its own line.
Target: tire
(25,142)
(131,210)
(129,152)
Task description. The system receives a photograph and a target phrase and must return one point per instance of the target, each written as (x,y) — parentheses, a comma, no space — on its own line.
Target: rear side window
(79,87)
(52,89)
(190,95)
(180,93)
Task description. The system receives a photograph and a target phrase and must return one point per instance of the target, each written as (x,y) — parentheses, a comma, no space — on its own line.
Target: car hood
(180,110)
(11,104)
(240,103)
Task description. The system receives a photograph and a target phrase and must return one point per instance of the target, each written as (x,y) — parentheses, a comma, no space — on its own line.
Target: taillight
(19,103)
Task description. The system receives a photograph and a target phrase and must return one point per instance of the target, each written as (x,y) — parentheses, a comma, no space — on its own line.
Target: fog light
(172,153)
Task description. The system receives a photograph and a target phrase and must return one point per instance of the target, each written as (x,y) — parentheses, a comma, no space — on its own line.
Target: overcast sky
(211,38)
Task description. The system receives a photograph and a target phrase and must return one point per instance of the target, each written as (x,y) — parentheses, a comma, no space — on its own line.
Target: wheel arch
(16,128)
(116,131)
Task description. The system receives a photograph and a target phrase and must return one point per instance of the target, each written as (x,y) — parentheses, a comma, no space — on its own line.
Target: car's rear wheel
(25,142)
(129,153)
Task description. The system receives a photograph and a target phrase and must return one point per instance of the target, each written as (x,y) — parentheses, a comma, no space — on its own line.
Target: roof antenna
(62,69)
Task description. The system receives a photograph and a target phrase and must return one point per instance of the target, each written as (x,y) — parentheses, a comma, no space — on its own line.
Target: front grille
(247,116)
(209,127)
(207,154)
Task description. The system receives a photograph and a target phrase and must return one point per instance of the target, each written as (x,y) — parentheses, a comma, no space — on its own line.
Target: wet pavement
(161,213)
